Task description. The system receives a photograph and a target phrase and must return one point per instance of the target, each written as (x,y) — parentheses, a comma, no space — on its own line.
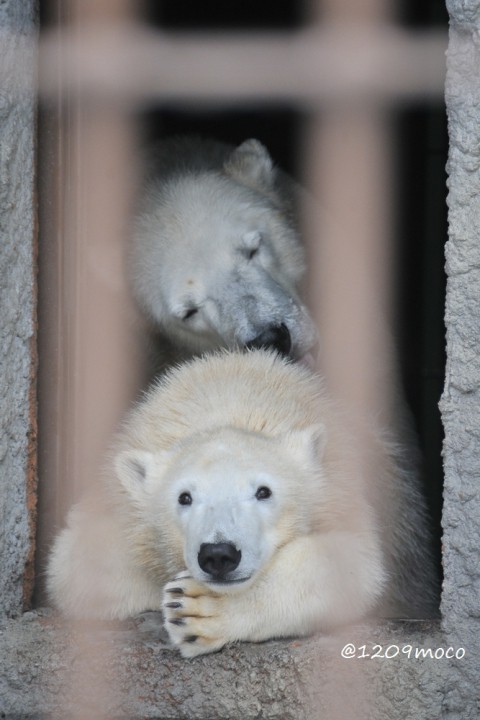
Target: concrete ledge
(287,680)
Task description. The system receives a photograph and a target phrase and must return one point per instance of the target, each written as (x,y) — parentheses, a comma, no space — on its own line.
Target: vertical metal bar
(351,11)
(53,381)
(350,255)
(103,341)
(92,344)
(95,344)
(348,170)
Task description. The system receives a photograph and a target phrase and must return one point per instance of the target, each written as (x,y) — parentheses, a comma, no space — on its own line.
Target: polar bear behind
(216,259)
(244,504)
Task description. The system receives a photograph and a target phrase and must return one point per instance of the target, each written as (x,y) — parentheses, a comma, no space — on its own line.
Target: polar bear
(216,256)
(243,503)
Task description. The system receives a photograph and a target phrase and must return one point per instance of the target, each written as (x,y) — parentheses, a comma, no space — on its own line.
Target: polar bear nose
(276,337)
(218,559)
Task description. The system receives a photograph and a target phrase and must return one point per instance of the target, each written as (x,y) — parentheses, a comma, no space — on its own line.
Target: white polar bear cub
(239,503)
(216,259)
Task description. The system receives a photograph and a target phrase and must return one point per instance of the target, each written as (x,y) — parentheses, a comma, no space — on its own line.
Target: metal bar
(97,348)
(334,63)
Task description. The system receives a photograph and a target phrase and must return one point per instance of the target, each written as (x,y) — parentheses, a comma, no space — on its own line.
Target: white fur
(217,233)
(341,535)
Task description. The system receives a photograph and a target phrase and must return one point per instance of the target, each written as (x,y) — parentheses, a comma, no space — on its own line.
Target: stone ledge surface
(281,680)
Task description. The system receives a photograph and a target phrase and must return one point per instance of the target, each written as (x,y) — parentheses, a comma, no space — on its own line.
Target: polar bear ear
(133,468)
(307,444)
(251,163)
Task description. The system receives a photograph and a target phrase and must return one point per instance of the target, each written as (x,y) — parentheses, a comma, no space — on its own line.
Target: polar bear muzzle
(274,337)
(219,559)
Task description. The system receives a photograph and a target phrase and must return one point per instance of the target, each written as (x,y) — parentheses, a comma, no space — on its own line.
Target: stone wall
(17,303)
(461,398)
(51,672)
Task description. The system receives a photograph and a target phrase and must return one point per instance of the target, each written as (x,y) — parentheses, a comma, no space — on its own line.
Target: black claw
(191,638)
(176,590)
(173,604)
(177,621)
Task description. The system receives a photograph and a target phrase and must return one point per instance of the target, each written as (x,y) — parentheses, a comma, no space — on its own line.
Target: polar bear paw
(195,618)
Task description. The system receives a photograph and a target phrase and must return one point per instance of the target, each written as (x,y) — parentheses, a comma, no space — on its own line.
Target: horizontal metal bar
(330,63)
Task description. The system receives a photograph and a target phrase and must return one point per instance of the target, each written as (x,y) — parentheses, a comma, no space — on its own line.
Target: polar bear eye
(189,313)
(251,253)
(185,498)
(263,493)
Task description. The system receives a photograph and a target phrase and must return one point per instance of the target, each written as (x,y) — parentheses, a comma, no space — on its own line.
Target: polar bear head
(217,257)
(228,499)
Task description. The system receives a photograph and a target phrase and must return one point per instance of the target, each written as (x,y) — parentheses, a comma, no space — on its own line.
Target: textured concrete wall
(461,399)
(290,680)
(17,303)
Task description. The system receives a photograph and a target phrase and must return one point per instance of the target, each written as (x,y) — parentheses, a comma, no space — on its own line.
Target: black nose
(276,337)
(218,559)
